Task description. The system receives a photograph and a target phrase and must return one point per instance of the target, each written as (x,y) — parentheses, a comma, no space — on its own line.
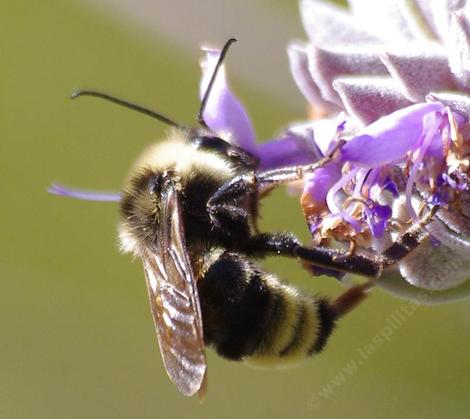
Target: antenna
(200,114)
(129,105)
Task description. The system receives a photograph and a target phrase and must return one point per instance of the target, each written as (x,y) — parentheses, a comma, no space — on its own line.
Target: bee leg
(351,298)
(236,189)
(228,199)
(230,221)
(269,179)
(324,257)
(252,185)
(369,265)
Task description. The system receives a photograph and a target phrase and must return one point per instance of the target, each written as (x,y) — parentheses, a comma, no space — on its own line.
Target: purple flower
(388,139)
(421,140)
(224,114)
(403,80)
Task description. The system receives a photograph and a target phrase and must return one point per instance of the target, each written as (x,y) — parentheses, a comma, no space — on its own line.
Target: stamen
(330,197)
(360,179)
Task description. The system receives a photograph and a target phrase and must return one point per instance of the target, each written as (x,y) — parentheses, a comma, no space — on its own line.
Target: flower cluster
(418,149)
(402,85)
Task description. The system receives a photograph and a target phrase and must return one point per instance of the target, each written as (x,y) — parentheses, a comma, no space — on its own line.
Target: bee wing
(174,298)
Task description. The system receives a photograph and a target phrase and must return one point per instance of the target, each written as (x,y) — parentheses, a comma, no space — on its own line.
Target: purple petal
(384,17)
(325,66)
(377,219)
(368,99)
(322,180)
(298,61)
(459,49)
(430,127)
(420,72)
(224,114)
(382,211)
(390,138)
(329,25)
(61,190)
(438,198)
(391,186)
(289,149)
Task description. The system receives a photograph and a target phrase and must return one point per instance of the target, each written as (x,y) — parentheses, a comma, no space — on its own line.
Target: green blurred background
(77,339)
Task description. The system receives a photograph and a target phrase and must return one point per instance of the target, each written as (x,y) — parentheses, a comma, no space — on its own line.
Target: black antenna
(130,105)
(200,117)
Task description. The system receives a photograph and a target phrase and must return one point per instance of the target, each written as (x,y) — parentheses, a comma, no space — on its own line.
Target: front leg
(236,189)
(229,217)
(245,189)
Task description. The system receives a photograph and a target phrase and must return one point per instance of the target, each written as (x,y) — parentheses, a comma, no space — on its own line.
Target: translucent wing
(174,298)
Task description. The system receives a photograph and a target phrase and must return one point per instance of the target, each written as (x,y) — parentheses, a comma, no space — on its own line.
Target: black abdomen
(250,314)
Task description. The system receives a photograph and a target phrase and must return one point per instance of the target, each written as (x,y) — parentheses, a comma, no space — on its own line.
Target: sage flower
(400,83)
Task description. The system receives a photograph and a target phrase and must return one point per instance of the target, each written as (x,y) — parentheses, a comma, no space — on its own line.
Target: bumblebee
(189,211)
